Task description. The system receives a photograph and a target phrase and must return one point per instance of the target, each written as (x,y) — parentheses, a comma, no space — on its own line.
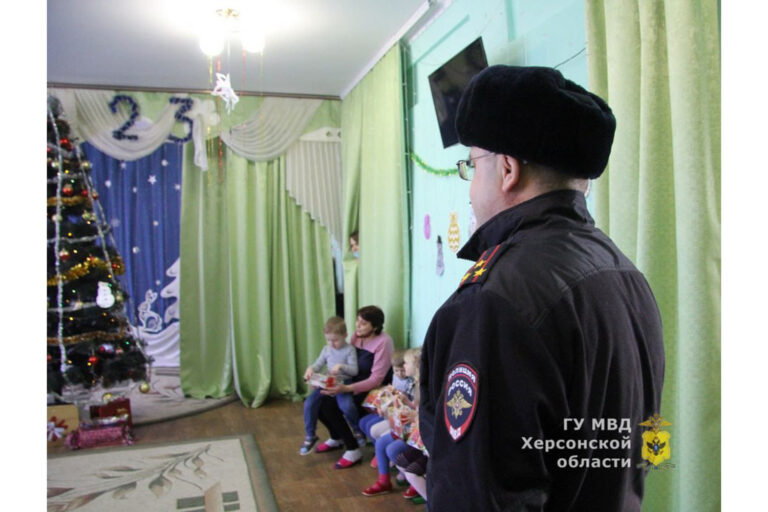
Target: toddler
(340,359)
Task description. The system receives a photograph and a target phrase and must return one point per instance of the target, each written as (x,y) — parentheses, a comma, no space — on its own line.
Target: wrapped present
(96,436)
(380,400)
(62,419)
(400,420)
(320,380)
(414,438)
(111,413)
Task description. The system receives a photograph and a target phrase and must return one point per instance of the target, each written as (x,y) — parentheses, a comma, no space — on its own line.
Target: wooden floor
(299,483)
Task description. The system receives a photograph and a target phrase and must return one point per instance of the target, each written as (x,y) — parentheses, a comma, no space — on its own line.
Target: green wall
(514,32)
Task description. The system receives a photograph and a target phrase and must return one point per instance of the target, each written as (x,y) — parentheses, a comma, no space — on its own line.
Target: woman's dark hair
(374,315)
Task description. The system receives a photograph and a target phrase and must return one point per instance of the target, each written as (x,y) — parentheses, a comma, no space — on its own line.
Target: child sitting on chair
(375,425)
(340,359)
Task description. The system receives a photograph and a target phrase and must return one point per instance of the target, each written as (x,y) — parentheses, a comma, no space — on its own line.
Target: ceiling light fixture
(226,23)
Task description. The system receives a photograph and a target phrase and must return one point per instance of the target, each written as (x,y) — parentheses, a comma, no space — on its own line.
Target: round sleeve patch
(461,387)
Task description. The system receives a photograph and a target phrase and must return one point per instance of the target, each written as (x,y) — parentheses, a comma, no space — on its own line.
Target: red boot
(382,486)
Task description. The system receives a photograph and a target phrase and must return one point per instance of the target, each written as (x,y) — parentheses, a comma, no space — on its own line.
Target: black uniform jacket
(552,328)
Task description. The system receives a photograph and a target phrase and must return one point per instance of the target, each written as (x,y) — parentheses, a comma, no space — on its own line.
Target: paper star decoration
(224,90)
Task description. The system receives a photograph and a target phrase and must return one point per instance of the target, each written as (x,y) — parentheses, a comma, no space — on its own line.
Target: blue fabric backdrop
(141,201)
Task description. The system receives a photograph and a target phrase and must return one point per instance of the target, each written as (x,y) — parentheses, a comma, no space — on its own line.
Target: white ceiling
(313,47)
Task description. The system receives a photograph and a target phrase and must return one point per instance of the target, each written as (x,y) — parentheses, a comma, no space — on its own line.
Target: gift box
(320,380)
(62,419)
(116,411)
(92,436)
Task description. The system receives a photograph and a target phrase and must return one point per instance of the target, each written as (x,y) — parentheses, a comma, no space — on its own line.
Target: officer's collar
(562,203)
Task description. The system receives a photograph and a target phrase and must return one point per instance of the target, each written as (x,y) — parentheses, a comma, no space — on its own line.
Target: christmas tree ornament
(65,143)
(64,255)
(85,165)
(95,195)
(93,360)
(84,192)
(454,237)
(427,227)
(104,297)
(440,263)
(107,397)
(67,190)
(144,387)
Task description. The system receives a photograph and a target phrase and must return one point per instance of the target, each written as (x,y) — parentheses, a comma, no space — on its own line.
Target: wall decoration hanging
(440,262)
(431,170)
(427,227)
(454,237)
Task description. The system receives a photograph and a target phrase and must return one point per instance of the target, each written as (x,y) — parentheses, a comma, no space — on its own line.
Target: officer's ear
(510,173)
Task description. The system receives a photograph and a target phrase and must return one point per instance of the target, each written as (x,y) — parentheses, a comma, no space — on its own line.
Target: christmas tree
(90,342)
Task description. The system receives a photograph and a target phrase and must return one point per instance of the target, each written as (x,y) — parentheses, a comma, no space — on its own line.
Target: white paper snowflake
(108,183)
(152,179)
(135,249)
(164,162)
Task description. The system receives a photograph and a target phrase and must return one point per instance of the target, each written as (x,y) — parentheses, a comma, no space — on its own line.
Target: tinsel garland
(82,269)
(69,201)
(431,170)
(90,336)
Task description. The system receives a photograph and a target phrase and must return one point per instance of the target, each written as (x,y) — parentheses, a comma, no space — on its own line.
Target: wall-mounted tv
(449,81)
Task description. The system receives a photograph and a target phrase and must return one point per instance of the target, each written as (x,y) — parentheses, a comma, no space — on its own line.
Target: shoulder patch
(478,272)
(461,388)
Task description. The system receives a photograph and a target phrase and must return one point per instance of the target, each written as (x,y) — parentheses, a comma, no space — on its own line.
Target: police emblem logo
(460,399)
(656,447)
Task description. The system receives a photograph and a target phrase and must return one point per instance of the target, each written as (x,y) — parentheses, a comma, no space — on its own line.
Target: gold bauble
(144,387)
(107,397)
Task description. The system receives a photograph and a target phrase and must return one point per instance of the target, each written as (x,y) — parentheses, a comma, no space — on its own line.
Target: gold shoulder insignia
(478,272)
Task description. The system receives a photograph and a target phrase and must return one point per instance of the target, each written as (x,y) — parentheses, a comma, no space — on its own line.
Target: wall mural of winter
(142,203)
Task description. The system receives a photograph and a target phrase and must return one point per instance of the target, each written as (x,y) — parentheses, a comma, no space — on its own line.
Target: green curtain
(373,159)
(658,65)
(256,279)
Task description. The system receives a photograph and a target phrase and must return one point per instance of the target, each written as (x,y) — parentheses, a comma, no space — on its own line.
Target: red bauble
(93,359)
(66,144)
(64,255)
(84,192)
(67,190)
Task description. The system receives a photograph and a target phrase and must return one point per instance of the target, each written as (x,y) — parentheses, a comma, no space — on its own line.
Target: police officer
(537,371)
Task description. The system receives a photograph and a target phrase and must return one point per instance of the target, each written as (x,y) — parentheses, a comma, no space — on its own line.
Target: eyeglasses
(467,167)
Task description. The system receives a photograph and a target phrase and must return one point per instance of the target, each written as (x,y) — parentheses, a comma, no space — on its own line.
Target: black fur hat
(535,114)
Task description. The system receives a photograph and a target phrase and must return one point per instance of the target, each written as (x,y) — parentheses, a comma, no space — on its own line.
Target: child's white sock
(333,443)
(353,455)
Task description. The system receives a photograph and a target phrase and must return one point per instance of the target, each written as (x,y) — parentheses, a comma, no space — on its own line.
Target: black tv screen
(448,82)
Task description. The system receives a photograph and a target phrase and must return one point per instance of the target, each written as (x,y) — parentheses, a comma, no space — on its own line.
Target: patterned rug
(206,475)
(166,400)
